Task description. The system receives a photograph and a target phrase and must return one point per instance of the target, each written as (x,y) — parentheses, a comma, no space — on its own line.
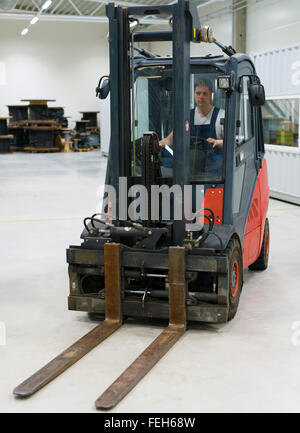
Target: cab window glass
(244,118)
(153,110)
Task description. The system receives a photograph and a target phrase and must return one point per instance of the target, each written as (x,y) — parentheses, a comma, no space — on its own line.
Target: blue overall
(214,160)
(204,131)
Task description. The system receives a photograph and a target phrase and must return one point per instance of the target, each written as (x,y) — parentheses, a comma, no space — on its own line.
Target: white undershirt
(198,120)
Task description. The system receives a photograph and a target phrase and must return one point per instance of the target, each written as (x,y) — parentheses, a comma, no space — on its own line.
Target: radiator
(284,173)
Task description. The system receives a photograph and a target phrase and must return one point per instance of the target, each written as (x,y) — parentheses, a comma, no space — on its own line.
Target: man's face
(202,96)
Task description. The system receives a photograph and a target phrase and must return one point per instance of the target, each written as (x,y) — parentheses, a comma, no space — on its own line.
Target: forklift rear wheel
(262,262)
(235,276)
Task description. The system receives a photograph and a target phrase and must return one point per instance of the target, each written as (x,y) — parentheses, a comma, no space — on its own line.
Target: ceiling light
(34,20)
(46,5)
(24,32)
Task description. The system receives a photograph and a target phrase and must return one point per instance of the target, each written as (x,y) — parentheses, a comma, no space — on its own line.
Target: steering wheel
(200,152)
(201,144)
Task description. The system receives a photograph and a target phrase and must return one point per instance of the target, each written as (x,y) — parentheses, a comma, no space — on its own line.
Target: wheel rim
(235,274)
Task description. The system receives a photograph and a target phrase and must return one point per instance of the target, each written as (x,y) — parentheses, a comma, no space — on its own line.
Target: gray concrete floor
(248,365)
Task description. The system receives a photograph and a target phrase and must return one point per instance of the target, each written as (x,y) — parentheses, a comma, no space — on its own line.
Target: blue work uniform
(204,131)
(214,161)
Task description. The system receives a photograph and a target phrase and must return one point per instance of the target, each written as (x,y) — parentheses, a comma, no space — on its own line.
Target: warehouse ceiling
(79,10)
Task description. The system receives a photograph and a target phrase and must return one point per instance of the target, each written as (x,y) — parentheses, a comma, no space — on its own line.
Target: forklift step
(177,326)
(112,322)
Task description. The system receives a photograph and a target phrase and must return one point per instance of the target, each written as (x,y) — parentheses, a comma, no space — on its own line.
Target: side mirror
(257,95)
(103,88)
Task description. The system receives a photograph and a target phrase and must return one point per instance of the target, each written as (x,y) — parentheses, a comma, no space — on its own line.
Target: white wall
(55,60)
(272,24)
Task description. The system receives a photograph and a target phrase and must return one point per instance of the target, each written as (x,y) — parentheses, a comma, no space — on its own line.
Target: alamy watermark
(161,202)
(2,334)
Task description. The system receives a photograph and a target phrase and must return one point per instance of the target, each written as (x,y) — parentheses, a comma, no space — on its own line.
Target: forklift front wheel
(235,276)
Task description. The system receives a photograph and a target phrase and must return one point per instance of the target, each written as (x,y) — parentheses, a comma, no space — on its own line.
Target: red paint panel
(251,247)
(256,218)
(264,194)
(213,200)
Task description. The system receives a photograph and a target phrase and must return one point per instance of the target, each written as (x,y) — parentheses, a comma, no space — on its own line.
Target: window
(281,122)
(244,124)
(154,110)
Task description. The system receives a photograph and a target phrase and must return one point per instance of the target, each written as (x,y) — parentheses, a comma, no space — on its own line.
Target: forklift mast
(186,29)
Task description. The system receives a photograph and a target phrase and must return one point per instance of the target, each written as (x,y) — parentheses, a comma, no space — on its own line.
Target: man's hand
(168,141)
(162,143)
(215,143)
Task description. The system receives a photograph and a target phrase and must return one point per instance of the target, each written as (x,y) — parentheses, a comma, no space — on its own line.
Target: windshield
(153,111)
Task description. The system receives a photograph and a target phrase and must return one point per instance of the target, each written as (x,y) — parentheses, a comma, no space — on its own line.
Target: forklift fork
(160,346)
(113,320)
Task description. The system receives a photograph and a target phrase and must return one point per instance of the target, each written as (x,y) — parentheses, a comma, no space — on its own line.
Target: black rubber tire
(261,263)
(236,280)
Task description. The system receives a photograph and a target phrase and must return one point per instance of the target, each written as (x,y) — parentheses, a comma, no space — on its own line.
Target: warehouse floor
(248,365)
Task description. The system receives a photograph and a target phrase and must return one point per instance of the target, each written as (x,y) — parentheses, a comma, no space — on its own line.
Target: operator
(205,120)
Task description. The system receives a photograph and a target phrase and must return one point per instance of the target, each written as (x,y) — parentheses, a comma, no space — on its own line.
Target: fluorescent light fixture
(24,32)
(34,20)
(46,5)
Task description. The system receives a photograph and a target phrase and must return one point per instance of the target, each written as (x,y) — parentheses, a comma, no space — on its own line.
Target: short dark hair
(204,83)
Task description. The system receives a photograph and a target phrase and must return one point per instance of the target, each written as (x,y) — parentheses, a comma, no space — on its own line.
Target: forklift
(175,265)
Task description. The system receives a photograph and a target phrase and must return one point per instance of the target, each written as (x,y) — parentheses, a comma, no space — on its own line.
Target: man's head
(203,95)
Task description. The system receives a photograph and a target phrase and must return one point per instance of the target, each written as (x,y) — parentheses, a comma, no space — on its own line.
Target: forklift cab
(154,111)
(237,95)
